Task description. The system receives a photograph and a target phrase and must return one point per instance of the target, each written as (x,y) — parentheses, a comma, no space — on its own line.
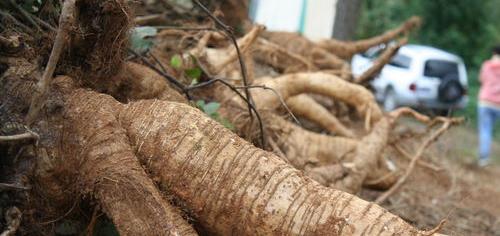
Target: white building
(312,18)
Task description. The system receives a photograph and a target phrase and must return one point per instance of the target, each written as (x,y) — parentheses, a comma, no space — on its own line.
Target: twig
(187,28)
(414,161)
(229,33)
(157,61)
(43,23)
(16,137)
(66,20)
(434,232)
(13,19)
(90,228)
(4,186)
(420,162)
(25,14)
(283,103)
(61,217)
(168,77)
(141,20)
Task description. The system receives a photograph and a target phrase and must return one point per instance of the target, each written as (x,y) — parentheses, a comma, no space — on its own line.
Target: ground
(464,194)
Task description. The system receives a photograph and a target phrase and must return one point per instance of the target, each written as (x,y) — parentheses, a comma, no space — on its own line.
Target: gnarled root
(321,58)
(367,156)
(318,83)
(231,187)
(379,64)
(215,61)
(346,50)
(109,171)
(304,148)
(306,107)
(135,81)
(267,52)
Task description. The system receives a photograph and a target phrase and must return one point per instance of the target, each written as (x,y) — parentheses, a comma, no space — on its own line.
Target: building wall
(312,18)
(278,15)
(319,19)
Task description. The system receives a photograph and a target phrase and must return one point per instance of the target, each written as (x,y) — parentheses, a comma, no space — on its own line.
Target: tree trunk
(346,19)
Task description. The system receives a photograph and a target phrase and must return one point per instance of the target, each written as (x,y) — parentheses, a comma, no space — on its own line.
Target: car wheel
(390,102)
(450,90)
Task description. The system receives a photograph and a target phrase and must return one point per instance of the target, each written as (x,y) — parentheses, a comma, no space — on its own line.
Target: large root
(267,52)
(318,83)
(379,64)
(96,158)
(321,58)
(231,187)
(305,106)
(346,50)
(367,155)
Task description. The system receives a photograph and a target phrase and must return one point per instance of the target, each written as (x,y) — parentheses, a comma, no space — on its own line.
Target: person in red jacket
(489,104)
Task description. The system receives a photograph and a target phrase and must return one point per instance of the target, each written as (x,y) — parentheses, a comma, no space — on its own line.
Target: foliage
(464,27)
(190,69)
(211,109)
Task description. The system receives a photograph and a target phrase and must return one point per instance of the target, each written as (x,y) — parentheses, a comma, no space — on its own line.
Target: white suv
(417,76)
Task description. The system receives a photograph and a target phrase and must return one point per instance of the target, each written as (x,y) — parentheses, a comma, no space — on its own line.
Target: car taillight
(413,87)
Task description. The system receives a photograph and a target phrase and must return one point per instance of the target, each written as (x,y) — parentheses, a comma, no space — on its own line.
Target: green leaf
(140,38)
(200,104)
(194,73)
(211,108)
(176,61)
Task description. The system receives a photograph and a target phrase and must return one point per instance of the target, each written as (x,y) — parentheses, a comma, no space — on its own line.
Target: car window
(440,68)
(373,52)
(401,61)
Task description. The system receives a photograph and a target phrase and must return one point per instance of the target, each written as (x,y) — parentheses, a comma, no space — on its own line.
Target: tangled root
(379,64)
(267,52)
(346,50)
(306,107)
(317,83)
(98,42)
(321,58)
(215,61)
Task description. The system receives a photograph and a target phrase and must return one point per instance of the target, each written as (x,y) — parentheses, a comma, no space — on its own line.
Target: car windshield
(440,68)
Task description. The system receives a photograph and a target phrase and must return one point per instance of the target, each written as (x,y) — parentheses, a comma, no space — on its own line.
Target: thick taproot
(97,147)
(234,188)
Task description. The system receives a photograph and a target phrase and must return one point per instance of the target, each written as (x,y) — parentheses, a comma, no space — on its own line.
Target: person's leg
(485,126)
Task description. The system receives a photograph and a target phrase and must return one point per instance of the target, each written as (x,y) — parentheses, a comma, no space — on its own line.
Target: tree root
(28,135)
(109,170)
(321,58)
(267,52)
(346,50)
(379,64)
(251,191)
(318,83)
(416,157)
(304,106)
(216,60)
